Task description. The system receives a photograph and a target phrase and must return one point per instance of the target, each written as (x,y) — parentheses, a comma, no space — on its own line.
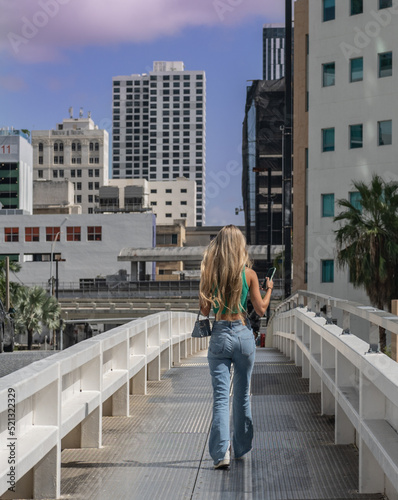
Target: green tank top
(243,297)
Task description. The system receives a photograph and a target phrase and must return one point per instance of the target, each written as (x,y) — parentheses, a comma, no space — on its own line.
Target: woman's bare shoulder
(250,275)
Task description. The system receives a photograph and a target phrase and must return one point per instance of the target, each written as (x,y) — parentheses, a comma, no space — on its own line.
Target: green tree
(367,242)
(14,267)
(35,308)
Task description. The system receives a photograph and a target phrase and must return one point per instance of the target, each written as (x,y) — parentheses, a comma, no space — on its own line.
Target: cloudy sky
(60,53)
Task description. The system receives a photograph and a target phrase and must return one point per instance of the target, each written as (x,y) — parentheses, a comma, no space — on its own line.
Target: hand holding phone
(268,277)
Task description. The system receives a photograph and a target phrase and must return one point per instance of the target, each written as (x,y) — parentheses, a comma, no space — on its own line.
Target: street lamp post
(52,256)
(287,150)
(51,270)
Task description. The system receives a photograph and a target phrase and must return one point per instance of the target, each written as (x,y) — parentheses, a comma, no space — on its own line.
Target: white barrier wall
(357,386)
(59,402)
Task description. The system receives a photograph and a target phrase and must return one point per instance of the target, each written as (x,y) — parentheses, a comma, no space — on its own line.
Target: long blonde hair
(221,270)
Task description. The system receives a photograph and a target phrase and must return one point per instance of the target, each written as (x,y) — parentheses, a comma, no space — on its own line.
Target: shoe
(225,462)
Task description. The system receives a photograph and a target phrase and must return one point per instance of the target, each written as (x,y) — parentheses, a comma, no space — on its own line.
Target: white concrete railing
(357,386)
(59,402)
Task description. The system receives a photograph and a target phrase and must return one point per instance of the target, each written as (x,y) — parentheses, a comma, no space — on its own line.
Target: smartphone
(270,275)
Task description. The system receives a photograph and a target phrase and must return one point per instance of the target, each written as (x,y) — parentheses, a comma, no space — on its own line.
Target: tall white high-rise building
(159,127)
(78,151)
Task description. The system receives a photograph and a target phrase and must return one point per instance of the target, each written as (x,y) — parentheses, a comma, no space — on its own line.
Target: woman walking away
(226,279)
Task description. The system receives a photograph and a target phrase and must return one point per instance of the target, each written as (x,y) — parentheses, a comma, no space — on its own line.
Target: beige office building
(77,150)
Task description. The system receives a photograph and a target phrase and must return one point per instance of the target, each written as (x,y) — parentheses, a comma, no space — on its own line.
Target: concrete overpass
(177,254)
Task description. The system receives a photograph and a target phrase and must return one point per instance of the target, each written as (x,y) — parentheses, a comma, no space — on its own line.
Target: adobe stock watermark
(371,30)
(222,7)
(221,180)
(31,27)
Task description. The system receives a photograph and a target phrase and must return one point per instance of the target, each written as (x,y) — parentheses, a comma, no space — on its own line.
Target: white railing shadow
(358,385)
(59,402)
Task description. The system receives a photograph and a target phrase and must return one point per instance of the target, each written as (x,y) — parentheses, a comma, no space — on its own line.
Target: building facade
(168,200)
(300,143)
(16,170)
(77,151)
(351,118)
(274,51)
(87,246)
(159,127)
(262,165)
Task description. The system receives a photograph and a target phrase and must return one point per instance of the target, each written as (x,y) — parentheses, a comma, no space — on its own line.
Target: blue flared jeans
(231,342)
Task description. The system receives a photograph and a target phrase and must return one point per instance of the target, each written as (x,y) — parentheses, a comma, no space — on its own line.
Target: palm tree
(34,309)
(14,267)
(367,242)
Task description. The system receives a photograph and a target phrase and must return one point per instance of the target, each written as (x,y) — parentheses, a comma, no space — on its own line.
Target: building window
(168,202)
(90,186)
(79,173)
(183,191)
(79,198)
(154,191)
(73,173)
(183,216)
(385,64)
(355,200)
(61,173)
(73,233)
(328,205)
(183,203)
(32,234)
(52,233)
(385,4)
(97,172)
(328,10)
(11,234)
(385,132)
(356,69)
(327,271)
(154,203)
(328,74)
(40,160)
(40,174)
(55,174)
(94,233)
(90,198)
(168,215)
(41,147)
(90,172)
(168,190)
(356,136)
(356,7)
(327,139)
(78,186)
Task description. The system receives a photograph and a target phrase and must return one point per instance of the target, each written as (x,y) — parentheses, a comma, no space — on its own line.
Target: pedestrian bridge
(127,413)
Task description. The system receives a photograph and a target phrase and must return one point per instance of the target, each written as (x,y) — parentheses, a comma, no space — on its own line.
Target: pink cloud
(38,30)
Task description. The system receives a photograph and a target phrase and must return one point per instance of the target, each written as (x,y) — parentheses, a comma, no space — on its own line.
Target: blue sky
(68,58)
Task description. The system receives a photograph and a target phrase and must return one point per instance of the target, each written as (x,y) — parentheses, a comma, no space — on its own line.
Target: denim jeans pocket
(217,343)
(247,344)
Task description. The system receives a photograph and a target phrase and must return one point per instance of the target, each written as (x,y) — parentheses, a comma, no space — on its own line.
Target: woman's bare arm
(204,307)
(260,304)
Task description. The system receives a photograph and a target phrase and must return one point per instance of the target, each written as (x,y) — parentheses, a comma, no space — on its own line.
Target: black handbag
(202,327)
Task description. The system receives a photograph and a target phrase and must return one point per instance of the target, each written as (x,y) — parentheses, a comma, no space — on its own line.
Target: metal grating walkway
(161,451)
